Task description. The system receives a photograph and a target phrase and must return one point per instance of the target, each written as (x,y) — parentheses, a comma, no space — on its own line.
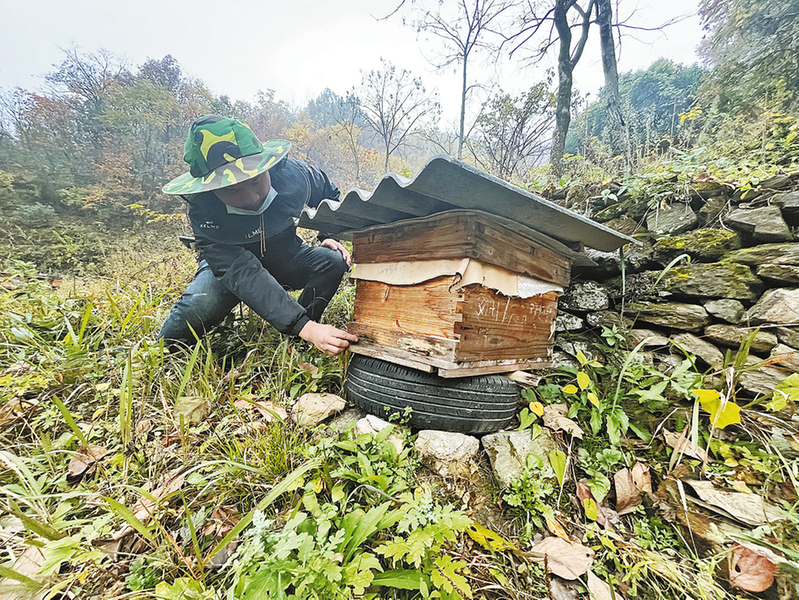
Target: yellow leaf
(723,412)
(488,539)
(583,380)
(570,389)
(594,400)
(581,357)
(537,408)
(556,528)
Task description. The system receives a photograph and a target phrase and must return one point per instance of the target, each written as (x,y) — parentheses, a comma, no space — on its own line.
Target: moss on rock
(705,245)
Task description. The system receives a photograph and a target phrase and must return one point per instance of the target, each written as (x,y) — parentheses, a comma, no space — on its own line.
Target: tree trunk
(619,135)
(463,111)
(565,81)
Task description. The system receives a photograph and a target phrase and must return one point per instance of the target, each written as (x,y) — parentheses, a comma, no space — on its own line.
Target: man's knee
(335,263)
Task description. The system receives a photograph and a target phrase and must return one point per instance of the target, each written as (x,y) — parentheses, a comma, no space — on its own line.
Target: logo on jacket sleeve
(209,225)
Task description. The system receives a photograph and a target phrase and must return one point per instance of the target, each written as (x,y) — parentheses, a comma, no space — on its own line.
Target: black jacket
(235,245)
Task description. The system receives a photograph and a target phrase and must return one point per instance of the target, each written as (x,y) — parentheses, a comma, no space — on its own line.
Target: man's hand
(333,244)
(327,338)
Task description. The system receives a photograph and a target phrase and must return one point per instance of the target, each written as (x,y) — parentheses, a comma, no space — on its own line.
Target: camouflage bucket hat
(221,151)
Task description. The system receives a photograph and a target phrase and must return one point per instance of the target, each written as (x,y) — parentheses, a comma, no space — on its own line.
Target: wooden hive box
(427,294)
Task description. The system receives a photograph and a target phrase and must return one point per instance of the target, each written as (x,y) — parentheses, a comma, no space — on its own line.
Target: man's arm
(245,277)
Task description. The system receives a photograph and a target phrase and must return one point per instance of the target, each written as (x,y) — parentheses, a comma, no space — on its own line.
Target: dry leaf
(18,368)
(600,590)
(566,425)
(144,506)
(555,418)
(312,369)
(193,409)
(11,410)
(250,428)
(565,559)
(222,521)
(231,375)
(684,446)
(556,410)
(557,529)
(143,427)
(268,410)
(747,508)
(85,458)
(642,478)
(560,589)
(749,571)
(627,494)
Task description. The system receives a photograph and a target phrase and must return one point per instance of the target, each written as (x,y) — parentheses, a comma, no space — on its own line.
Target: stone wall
(716,263)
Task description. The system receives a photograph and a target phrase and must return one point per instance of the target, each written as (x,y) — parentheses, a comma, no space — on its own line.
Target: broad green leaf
(405,579)
(558,460)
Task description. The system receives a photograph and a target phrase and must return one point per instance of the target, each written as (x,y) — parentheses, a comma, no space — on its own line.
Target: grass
(80,368)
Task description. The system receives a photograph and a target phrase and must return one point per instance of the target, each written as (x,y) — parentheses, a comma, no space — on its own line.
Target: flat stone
(699,348)
(686,317)
(788,357)
(779,306)
(572,347)
(608,318)
(650,339)
(563,359)
(666,363)
(346,419)
(784,274)
(508,451)
(373,425)
(710,212)
(672,219)
(726,309)
(626,225)
(705,245)
(585,296)
(762,380)
(789,204)
(729,335)
(762,224)
(713,280)
(776,254)
(446,453)
(312,409)
(568,322)
(777,182)
(788,336)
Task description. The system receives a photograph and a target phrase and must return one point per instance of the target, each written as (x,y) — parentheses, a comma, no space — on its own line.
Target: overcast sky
(295,47)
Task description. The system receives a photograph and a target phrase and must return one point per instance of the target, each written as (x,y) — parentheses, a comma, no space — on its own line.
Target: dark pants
(206,302)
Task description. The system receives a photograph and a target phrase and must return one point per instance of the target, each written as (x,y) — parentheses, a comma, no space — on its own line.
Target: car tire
(479,404)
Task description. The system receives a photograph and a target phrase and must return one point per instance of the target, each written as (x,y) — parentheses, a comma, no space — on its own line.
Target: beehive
(461,292)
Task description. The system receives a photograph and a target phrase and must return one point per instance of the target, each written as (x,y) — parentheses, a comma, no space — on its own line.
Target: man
(243,196)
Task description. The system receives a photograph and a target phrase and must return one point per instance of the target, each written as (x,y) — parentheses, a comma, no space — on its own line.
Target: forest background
(82,164)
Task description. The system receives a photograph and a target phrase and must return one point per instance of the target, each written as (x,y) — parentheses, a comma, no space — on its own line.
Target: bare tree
(561,17)
(620,136)
(463,29)
(88,75)
(394,104)
(514,131)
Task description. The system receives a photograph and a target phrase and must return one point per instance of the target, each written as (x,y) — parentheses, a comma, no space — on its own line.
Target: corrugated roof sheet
(446,184)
